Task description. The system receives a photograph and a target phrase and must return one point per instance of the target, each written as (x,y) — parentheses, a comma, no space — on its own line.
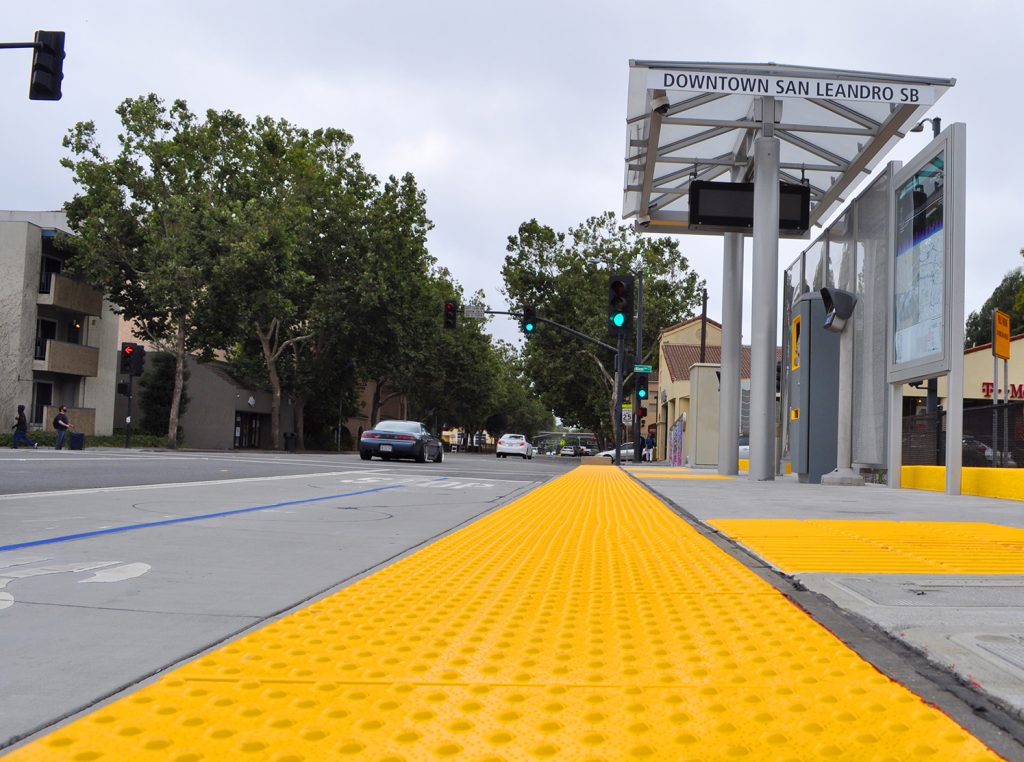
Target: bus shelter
(760,150)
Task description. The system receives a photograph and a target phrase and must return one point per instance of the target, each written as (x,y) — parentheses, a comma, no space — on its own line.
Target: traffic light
(451,311)
(127,350)
(47,67)
(529,319)
(133,358)
(620,305)
(138,360)
(641,387)
(643,412)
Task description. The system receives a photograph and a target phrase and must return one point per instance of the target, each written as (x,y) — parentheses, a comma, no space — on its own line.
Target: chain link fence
(993,437)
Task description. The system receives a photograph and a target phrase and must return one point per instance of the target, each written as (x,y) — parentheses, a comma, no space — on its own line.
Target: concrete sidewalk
(941,574)
(584,620)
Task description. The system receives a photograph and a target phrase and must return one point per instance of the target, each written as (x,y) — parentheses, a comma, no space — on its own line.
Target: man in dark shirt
(61,424)
(21,429)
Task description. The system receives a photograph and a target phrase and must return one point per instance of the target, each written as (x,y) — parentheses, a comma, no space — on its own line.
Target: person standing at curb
(61,424)
(21,429)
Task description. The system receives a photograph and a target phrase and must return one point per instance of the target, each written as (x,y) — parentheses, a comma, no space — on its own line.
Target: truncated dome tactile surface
(583,621)
(889,547)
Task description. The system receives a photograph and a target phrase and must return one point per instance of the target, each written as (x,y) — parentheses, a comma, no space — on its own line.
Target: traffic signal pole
(128,420)
(637,431)
(620,360)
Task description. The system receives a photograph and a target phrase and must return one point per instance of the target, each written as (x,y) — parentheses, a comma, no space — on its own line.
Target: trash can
(76,441)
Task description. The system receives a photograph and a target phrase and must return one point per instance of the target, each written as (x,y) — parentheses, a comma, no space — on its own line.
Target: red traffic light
(128,349)
(451,311)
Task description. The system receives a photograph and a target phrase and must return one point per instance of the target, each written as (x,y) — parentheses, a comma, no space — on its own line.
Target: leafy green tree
(457,379)
(517,407)
(1008,297)
(302,202)
(156,393)
(566,276)
(143,221)
(388,293)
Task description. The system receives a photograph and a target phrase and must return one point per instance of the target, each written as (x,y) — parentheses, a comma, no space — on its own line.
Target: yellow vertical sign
(1001,334)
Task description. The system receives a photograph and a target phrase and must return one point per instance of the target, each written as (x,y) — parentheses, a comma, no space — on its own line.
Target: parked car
(625,453)
(401,439)
(514,444)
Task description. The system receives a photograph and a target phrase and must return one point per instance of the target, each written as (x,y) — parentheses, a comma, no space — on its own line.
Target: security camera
(659,104)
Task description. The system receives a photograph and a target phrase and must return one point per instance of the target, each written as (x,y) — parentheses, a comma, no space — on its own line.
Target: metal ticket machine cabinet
(813,390)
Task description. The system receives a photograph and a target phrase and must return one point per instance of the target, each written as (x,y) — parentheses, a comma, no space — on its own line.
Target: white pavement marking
(143,487)
(118,573)
(110,571)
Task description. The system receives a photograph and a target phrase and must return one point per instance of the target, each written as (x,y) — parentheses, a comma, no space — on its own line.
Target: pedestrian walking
(649,448)
(21,429)
(61,424)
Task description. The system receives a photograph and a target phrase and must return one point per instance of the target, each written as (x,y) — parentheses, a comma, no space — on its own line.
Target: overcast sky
(508,111)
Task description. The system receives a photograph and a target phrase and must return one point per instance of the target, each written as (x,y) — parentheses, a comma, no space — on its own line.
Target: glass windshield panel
(398,427)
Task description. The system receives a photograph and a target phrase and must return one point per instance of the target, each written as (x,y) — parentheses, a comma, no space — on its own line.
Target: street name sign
(641,368)
(473,311)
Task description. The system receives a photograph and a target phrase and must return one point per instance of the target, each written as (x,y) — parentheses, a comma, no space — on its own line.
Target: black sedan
(401,439)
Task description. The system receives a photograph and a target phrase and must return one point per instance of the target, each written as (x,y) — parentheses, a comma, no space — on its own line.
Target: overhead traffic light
(451,311)
(620,305)
(529,319)
(641,387)
(47,67)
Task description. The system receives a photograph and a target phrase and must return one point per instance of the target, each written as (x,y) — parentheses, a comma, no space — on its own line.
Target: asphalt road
(116,565)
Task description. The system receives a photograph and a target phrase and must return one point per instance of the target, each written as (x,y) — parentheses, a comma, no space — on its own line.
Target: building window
(50,266)
(46,330)
(42,396)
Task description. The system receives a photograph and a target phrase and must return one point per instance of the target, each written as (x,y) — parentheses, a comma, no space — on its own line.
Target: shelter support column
(732,337)
(764,312)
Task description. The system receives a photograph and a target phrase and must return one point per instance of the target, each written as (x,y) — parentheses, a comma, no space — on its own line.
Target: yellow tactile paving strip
(880,547)
(583,621)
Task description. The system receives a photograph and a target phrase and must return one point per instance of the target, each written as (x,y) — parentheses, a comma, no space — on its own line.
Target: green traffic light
(618,319)
(642,393)
(528,327)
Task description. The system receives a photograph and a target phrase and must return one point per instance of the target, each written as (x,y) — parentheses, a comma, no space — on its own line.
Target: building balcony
(82,418)
(72,359)
(69,294)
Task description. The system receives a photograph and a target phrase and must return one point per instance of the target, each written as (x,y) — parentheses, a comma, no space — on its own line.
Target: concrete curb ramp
(585,620)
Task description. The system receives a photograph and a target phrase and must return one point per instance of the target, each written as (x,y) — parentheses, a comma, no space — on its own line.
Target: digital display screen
(730,206)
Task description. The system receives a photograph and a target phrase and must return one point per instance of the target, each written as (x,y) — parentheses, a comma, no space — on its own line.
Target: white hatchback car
(514,444)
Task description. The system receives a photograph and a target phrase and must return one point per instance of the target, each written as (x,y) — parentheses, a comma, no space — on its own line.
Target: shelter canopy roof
(699,120)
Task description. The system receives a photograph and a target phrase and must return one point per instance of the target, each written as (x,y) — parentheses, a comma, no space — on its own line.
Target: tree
(1008,296)
(566,276)
(388,293)
(517,407)
(156,393)
(143,221)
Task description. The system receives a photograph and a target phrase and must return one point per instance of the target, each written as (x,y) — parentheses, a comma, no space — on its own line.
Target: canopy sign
(791,87)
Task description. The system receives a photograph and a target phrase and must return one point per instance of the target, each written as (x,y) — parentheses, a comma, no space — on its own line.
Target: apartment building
(58,336)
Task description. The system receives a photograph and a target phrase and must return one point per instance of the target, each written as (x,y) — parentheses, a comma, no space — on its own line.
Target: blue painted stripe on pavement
(184,519)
